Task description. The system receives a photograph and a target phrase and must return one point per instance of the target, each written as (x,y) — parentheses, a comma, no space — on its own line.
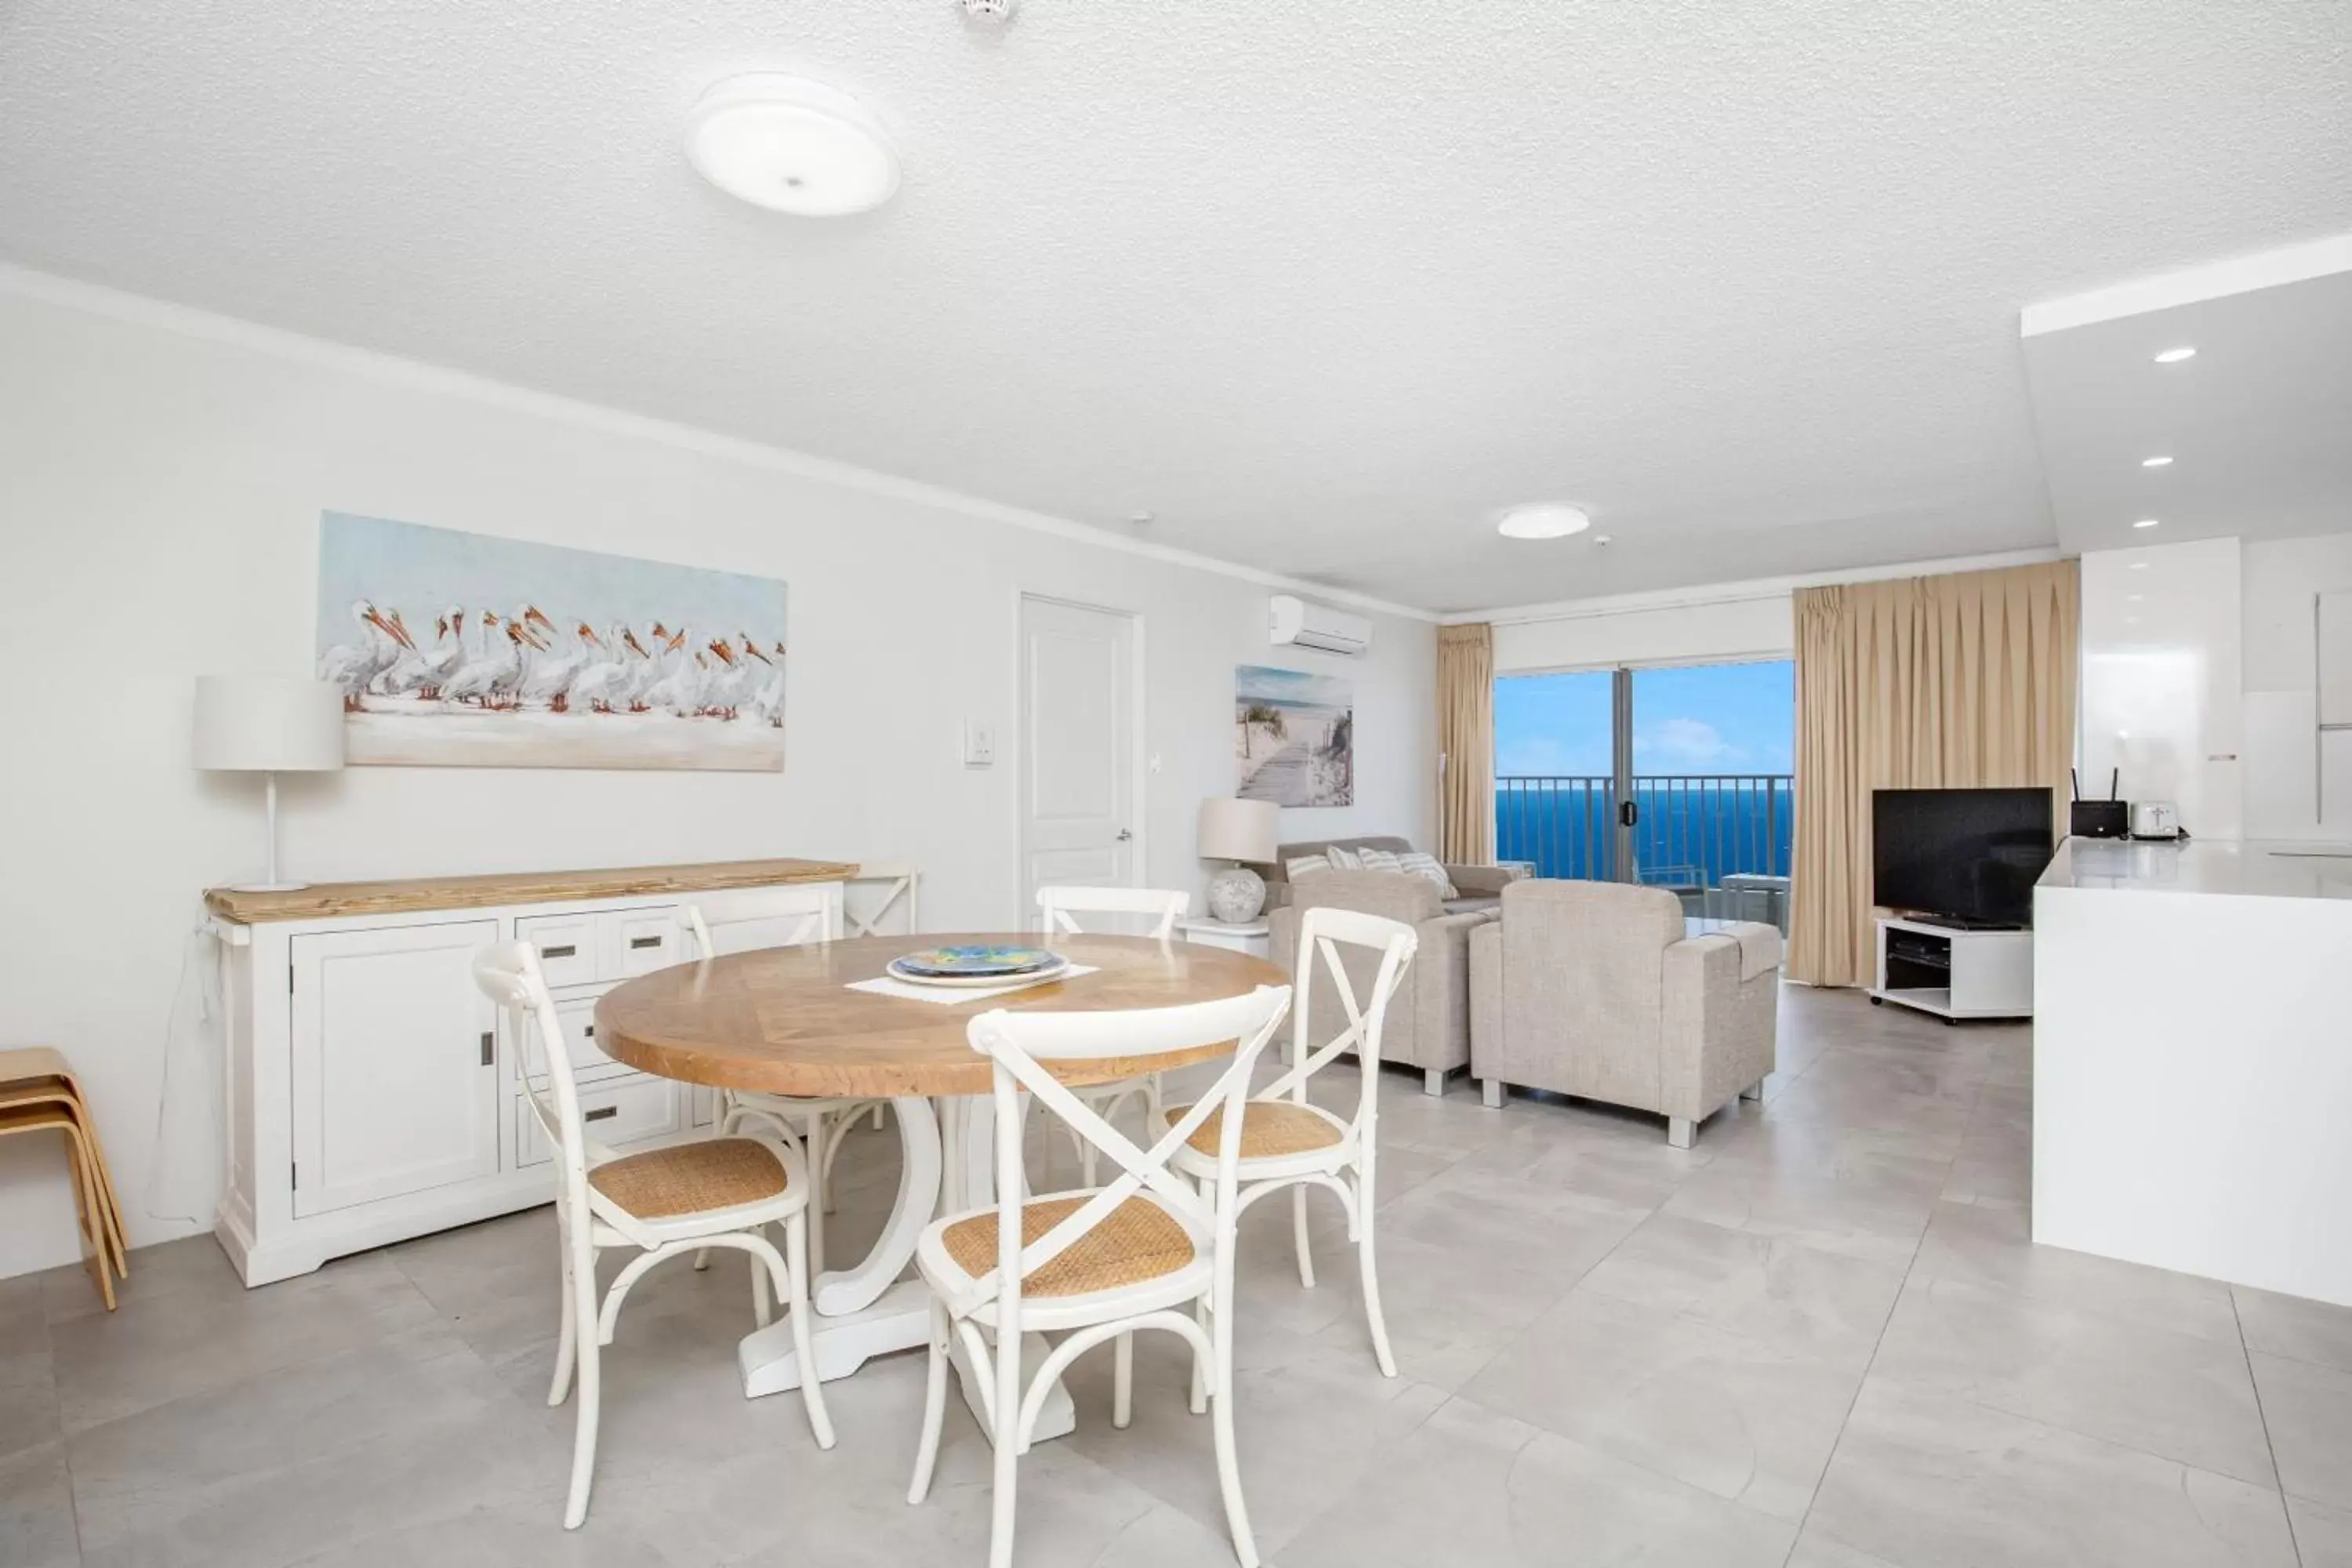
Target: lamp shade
(1239,829)
(269,724)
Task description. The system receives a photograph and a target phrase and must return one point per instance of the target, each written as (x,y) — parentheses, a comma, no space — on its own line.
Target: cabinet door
(396,1071)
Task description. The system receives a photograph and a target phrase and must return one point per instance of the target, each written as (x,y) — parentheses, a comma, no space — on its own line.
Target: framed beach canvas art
(460,649)
(1296,745)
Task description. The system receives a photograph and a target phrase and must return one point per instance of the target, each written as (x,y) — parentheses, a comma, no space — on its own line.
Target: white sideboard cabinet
(374,1094)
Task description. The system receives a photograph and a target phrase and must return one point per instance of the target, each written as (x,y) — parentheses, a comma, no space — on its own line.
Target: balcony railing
(1692,830)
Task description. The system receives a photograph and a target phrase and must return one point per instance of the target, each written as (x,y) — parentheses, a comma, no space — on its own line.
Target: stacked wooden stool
(38,1092)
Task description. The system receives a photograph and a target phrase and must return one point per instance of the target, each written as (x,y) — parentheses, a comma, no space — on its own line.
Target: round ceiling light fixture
(790,145)
(1545,519)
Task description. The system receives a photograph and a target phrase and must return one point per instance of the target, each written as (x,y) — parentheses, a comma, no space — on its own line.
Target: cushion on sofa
(1417,864)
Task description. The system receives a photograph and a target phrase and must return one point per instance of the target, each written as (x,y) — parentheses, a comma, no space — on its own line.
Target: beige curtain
(1465,745)
(1952,682)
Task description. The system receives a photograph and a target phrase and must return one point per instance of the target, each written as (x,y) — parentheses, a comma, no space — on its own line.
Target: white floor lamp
(269,724)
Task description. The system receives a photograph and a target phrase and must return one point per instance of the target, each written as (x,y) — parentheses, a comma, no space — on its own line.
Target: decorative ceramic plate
(975,965)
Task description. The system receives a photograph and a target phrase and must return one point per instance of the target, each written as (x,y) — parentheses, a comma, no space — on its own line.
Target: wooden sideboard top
(325,900)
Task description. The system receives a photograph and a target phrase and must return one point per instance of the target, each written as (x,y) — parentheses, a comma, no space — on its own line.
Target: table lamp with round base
(269,724)
(1240,831)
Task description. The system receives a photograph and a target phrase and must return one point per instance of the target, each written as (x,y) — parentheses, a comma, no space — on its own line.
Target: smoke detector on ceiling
(792,145)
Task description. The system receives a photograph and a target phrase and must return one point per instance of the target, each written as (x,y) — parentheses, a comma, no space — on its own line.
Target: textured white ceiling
(1321,284)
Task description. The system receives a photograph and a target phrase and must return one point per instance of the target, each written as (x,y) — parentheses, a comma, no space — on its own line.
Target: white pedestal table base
(870,1310)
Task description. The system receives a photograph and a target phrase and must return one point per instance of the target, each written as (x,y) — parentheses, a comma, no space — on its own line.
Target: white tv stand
(1955,974)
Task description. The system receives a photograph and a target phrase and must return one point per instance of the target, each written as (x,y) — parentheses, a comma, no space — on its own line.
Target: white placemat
(949,995)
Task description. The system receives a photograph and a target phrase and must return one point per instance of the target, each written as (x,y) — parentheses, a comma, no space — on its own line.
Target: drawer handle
(590,1032)
(644,942)
(566,950)
(601,1113)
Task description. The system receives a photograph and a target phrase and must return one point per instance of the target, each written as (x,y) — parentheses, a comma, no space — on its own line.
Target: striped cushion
(1380,859)
(1344,859)
(1306,866)
(1420,864)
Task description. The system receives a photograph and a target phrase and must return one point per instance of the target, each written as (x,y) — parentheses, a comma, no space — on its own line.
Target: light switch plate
(979,743)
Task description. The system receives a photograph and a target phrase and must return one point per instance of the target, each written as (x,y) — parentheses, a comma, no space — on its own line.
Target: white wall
(1726,629)
(1716,622)
(2161,652)
(161,482)
(2281,579)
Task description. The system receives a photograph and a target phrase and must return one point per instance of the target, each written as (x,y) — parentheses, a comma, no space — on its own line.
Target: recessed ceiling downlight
(1546,521)
(790,145)
(2174,356)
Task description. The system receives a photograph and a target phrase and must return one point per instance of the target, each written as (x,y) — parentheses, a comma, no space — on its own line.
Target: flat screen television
(1970,856)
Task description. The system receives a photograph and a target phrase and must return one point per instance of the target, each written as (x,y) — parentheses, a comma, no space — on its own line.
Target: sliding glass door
(1675,776)
(1557,766)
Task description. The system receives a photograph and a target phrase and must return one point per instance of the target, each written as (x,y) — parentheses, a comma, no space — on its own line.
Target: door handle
(1628,813)
(490,1048)
(1124,836)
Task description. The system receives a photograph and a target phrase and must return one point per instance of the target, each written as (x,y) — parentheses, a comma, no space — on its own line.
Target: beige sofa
(1477,887)
(1429,1017)
(1596,989)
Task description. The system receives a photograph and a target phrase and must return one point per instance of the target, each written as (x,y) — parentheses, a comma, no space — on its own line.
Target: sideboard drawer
(568,947)
(612,1113)
(638,941)
(578,1016)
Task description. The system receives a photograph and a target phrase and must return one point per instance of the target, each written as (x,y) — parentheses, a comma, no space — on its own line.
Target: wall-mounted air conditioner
(1298,622)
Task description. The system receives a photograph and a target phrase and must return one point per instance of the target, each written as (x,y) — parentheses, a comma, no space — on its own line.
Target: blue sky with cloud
(1701,719)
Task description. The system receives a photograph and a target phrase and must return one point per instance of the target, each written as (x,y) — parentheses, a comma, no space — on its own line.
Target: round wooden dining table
(791,1021)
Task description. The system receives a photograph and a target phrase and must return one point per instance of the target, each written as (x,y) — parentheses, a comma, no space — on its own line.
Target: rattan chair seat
(1139,1241)
(1270,1128)
(691,1178)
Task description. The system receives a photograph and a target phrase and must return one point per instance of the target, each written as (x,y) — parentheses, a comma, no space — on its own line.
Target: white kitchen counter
(2266,870)
(2192,1060)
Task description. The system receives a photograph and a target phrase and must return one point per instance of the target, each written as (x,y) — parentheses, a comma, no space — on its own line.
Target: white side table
(1255,937)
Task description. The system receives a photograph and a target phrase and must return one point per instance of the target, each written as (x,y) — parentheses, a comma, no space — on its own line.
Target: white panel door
(1077,748)
(395,1070)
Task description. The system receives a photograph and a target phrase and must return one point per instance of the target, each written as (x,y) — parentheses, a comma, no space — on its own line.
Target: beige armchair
(1596,989)
(1429,1017)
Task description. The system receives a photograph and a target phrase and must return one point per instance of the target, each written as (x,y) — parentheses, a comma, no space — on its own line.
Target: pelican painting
(466,649)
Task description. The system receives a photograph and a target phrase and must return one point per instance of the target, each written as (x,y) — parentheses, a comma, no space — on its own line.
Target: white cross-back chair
(808,1125)
(720,1192)
(901,888)
(1093,1265)
(1288,1142)
(1057,908)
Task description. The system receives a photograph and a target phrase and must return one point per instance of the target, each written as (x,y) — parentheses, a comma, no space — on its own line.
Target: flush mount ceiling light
(2156,462)
(1545,520)
(2145,522)
(2174,356)
(790,145)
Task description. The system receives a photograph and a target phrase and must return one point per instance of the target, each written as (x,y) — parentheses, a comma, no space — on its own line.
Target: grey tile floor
(1818,1339)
